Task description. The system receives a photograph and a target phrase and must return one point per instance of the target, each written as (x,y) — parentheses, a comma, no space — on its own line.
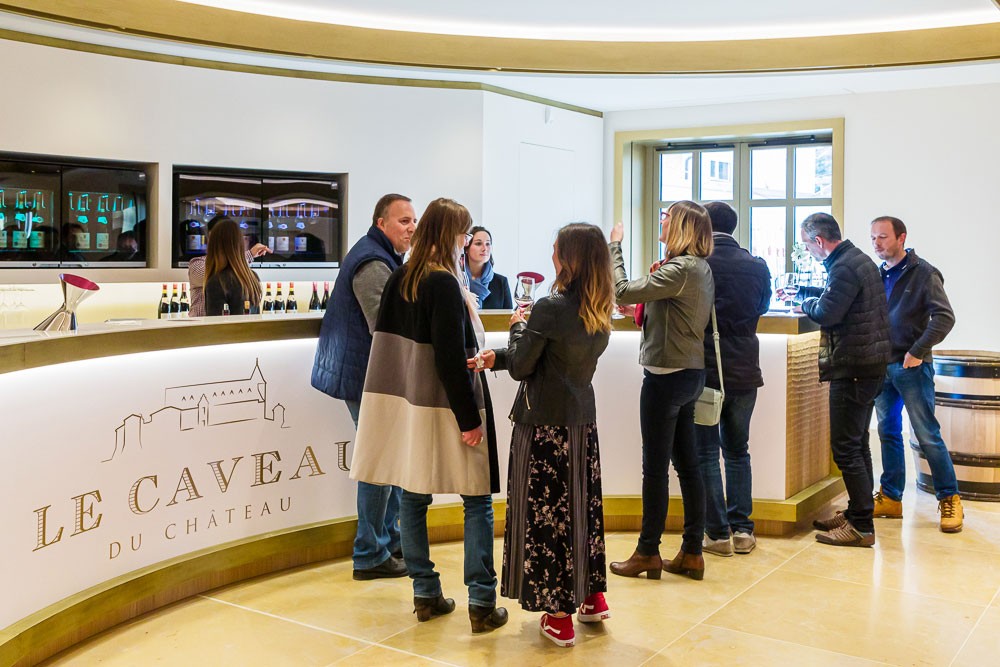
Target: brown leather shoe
(689,565)
(637,564)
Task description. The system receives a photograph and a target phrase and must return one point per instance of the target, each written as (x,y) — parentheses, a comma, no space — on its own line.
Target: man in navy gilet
(345,342)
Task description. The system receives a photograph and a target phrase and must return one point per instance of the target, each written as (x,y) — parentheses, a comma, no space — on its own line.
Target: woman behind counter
(426,419)
(491,289)
(228,279)
(678,295)
(554,558)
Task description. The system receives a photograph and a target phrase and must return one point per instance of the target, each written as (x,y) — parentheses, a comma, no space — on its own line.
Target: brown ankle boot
(689,565)
(637,564)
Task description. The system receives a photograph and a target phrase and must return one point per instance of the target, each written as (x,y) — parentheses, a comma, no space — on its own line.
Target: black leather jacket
(853,317)
(555,358)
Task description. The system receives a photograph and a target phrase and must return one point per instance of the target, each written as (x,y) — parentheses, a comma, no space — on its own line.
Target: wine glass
(789,284)
(524,293)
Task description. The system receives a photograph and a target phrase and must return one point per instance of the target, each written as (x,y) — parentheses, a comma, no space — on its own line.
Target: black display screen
(72,215)
(299,217)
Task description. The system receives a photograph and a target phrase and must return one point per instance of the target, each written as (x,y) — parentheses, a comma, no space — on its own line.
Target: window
(773,184)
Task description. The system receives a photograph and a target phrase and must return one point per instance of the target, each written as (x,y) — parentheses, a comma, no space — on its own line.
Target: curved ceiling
(638,20)
(457,34)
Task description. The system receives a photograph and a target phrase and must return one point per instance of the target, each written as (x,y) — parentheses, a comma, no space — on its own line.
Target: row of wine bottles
(175,306)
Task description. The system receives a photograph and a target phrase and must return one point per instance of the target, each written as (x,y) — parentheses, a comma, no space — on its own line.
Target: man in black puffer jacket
(853,354)
(742,295)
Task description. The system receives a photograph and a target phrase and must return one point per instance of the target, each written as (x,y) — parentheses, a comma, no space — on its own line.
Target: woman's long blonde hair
(690,231)
(435,246)
(585,267)
(225,249)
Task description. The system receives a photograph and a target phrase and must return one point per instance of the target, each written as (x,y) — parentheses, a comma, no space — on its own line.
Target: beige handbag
(708,409)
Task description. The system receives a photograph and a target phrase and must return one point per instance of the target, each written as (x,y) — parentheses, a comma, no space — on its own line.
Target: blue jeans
(730,510)
(378,517)
(666,420)
(914,389)
(480,576)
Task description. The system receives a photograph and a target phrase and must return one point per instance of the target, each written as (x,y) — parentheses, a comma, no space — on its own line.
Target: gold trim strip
(166,19)
(90,612)
(98,49)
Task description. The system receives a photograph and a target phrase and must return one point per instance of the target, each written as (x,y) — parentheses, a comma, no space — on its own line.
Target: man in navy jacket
(345,342)
(742,295)
(920,316)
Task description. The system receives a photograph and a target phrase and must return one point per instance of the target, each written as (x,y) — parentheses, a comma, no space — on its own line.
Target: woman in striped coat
(426,419)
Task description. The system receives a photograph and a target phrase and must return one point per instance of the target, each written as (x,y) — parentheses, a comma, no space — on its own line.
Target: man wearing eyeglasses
(345,341)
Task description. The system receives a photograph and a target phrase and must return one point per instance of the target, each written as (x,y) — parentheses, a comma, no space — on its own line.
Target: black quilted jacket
(853,317)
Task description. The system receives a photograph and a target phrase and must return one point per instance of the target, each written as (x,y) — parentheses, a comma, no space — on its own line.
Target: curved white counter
(153,460)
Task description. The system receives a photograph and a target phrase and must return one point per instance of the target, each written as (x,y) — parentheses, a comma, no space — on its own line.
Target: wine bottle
(291,305)
(314,299)
(185,304)
(175,304)
(326,296)
(268,306)
(279,302)
(164,310)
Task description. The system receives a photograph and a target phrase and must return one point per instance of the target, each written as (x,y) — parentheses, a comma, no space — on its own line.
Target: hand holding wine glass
(788,288)
(524,294)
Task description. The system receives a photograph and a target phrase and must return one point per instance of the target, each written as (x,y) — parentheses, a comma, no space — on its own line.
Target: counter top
(24,349)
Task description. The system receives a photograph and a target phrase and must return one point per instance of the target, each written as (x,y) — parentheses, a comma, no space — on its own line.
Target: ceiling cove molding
(99,49)
(196,24)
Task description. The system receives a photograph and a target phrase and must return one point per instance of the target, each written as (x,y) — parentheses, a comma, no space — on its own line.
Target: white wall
(423,142)
(926,156)
(537,176)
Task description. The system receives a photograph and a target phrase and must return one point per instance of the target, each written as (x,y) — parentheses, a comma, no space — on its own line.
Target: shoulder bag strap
(718,355)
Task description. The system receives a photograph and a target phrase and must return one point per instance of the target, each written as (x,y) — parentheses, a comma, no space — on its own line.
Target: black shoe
(484,619)
(390,568)
(428,608)
(398,554)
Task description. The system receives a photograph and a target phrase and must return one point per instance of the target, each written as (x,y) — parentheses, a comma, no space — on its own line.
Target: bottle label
(300,244)
(36,240)
(194,242)
(102,241)
(281,245)
(3,238)
(83,240)
(270,243)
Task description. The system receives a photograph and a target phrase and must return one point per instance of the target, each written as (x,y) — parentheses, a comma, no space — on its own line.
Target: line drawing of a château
(205,405)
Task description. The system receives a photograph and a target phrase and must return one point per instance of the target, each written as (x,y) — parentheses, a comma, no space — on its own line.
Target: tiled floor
(919,597)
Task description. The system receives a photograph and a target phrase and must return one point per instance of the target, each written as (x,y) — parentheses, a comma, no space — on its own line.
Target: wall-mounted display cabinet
(300,217)
(58,212)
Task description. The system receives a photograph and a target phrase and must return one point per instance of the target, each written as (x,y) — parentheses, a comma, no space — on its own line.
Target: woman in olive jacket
(677,295)
(554,558)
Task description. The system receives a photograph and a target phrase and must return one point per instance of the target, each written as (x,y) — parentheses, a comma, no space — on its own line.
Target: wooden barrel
(967,404)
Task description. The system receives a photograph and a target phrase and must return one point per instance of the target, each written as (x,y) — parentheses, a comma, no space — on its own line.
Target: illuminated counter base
(160,461)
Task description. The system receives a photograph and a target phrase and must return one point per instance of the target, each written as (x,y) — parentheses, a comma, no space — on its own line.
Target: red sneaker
(558,630)
(594,609)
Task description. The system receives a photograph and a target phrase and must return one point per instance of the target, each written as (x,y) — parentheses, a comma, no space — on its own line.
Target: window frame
(632,178)
(742,200)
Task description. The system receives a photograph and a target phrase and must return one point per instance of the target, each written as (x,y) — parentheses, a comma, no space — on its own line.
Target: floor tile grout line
(328,631)
(720,607)
(888,588)
(974,628)
(791,643)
